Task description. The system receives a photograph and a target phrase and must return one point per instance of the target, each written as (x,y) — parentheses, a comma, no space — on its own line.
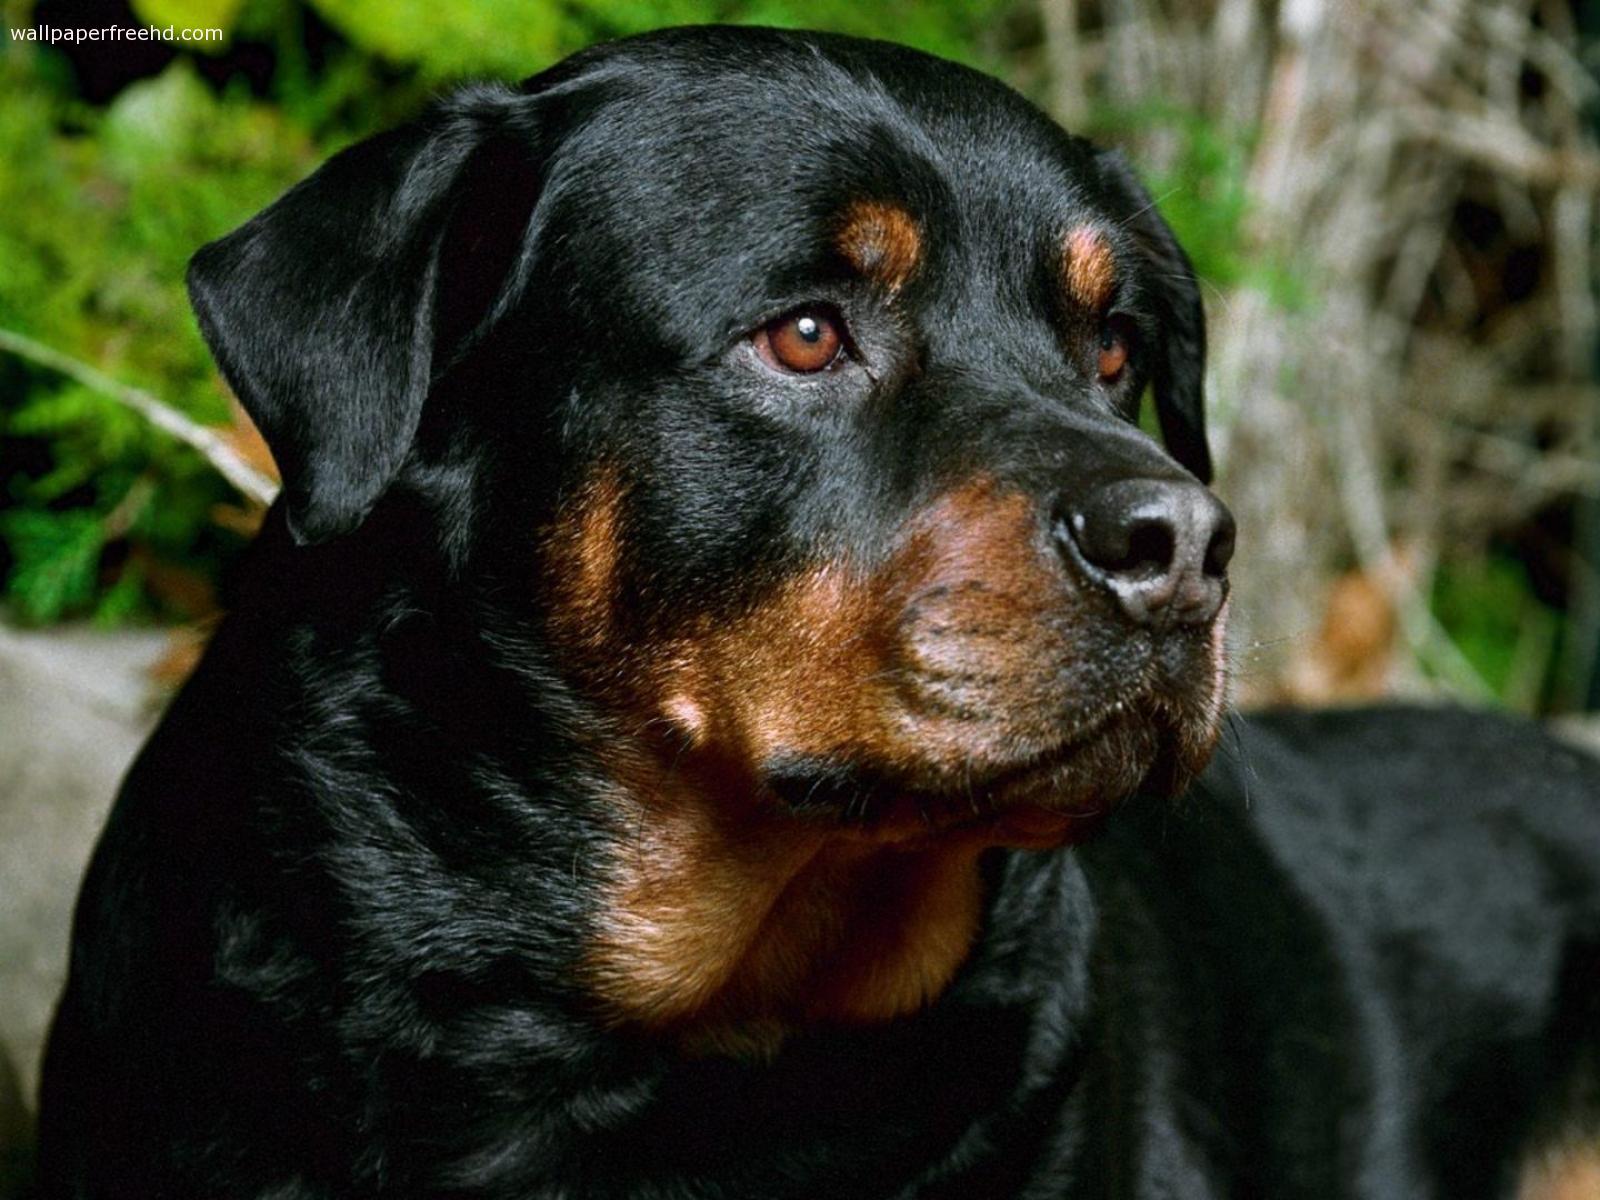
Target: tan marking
(789,675)
(734,927)
(733,923)
(1089,267)
(887,965)
(811,671)
(582,552)
(1570,1171)
(725,920)
(882,241)
(687,717)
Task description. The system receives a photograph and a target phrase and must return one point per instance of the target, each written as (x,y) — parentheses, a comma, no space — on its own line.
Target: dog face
(789,386)
(868,416)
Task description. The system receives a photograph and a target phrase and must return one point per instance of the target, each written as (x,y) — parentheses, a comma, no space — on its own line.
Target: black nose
(1161,547)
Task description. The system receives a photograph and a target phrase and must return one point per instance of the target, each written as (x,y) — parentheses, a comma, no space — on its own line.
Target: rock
(75,705)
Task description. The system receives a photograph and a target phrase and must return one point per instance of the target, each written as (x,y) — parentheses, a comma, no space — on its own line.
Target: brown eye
(804,341)
(1114,341)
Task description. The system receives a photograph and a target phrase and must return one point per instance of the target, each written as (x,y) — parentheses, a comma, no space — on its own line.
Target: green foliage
(191,14)
(511,38)
(493,37)
(103,209)
(57,560)
(1488,608)
(958,29)
(1202,192)
(104,206)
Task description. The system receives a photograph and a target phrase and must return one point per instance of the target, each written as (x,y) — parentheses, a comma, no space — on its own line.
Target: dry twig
(163,416)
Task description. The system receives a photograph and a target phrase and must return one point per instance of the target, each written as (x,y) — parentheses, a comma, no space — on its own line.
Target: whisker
(1132,217)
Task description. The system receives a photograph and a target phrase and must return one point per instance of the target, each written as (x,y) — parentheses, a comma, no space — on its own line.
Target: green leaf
(123,600)
(505,38)
(192,14)
(1484,604)
(56,561)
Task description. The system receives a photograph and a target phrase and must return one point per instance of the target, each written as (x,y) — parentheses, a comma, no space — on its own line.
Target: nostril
(1125,536)
(1149,550)
(1219,551)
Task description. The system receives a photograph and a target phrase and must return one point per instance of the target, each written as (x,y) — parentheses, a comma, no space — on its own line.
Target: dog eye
(802,342)
(1116,345)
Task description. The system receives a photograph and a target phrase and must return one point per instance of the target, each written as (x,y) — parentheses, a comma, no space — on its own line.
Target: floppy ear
(1178,376)
(324,311)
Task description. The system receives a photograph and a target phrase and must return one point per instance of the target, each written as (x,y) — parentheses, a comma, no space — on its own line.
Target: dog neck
(727,925)
(939,1089)
(718,923)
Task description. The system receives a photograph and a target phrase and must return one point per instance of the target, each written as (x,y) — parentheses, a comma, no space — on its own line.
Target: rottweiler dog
(667,739)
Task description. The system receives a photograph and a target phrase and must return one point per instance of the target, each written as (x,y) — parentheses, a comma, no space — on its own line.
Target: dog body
(666,742)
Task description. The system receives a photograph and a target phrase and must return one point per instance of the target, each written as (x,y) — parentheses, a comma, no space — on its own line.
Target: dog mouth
(1054,795)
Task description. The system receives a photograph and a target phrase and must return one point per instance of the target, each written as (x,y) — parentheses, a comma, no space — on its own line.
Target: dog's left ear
(1178,376)
(332,312)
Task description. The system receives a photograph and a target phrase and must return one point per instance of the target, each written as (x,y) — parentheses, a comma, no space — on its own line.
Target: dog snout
(1161,547)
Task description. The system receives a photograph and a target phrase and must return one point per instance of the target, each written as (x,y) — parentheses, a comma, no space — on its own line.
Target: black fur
(328,945)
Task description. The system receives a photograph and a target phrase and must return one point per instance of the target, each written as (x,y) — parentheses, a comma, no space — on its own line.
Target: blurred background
(1391,203)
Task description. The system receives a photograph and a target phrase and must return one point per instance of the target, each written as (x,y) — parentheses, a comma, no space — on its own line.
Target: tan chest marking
(733,929)
(724,919)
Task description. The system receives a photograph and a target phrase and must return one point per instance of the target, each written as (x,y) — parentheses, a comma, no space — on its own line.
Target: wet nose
(1160,546)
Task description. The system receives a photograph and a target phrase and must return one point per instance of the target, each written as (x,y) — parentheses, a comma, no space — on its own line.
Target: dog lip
(1083,731)
(1055,794)
(1016,803)
(1081,735)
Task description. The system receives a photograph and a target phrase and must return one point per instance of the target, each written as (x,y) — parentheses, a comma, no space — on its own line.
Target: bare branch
(249,481)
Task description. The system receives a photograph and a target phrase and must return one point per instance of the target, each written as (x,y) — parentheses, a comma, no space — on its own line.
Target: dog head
(790,387)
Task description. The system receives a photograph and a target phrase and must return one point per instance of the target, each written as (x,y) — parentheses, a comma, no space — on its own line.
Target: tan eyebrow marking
(881,240)
(1088,266)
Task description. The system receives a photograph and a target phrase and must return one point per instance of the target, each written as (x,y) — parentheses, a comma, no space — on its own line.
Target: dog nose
(1161,547)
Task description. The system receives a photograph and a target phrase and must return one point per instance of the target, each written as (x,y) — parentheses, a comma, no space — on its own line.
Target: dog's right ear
(1178,377)
(324,311)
